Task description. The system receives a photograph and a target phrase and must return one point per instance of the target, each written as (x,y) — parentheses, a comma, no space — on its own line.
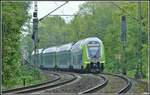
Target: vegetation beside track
(27,78)
(14,16)
(101,19)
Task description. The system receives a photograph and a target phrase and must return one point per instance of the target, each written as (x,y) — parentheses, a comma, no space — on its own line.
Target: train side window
(76,47)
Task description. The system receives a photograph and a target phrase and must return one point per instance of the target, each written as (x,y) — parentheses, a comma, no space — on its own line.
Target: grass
(132,74)
(19,81)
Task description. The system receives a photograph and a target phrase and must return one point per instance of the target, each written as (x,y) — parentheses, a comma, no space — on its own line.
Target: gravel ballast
(87,81)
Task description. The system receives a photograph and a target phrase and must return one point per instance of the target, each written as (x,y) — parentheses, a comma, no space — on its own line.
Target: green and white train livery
(88,55)
(85,55)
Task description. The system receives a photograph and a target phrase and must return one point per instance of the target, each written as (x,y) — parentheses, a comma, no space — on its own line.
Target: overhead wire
(62,11)
(62,15)
(125,11)
(54,10)
(57,5)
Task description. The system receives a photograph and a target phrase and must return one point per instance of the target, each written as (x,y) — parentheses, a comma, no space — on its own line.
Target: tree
(14,15)
(52,32)
(103,19)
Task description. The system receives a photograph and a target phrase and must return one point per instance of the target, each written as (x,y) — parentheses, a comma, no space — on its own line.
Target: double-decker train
(85,55)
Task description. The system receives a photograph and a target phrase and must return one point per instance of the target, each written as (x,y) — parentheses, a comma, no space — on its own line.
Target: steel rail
(125,89)
(128,85)
(49,86)
(32,86)
(94,89)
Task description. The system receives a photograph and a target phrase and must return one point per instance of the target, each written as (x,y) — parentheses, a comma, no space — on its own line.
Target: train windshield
(93,51)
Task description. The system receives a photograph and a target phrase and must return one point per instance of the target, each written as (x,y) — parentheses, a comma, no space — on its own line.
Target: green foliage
(102,19)
(50,30)
(14,16)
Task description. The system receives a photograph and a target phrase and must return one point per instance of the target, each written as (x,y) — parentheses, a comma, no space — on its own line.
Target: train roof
(50,50)
(77,45)
(86,40)
(38,51)
(65,47)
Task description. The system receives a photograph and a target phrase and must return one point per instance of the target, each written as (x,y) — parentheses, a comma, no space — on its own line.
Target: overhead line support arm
(54,10)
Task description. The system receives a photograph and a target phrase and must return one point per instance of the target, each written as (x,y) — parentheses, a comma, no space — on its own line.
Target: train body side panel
(48,60)
(102,59)
(77,60)
(63,59)
(85,60)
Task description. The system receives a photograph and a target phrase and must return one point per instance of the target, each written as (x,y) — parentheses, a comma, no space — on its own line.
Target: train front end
(95,55)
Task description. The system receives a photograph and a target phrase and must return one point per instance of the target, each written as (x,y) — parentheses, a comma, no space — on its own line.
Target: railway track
(126,87)
(106,79)
(45,85)
(98,88)
(86,81)
(84,86)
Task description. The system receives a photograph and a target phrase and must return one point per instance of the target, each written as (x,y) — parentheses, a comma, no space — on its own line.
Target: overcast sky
(44,7)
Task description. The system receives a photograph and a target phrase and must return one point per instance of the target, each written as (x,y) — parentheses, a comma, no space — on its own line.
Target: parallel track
(50,85)
(32,86)
(54,83)
(94,89)
(128,85)
(41,86)
(125,89)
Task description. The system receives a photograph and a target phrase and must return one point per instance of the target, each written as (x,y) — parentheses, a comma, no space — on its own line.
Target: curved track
(127,85)
(117,84)
(110,83)
(84,82)
(45,85)
(32,86)
(98,88)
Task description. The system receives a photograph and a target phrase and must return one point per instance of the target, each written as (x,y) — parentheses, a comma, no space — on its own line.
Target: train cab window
(93,50)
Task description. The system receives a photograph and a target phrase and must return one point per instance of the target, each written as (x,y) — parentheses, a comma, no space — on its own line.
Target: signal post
(35,35)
